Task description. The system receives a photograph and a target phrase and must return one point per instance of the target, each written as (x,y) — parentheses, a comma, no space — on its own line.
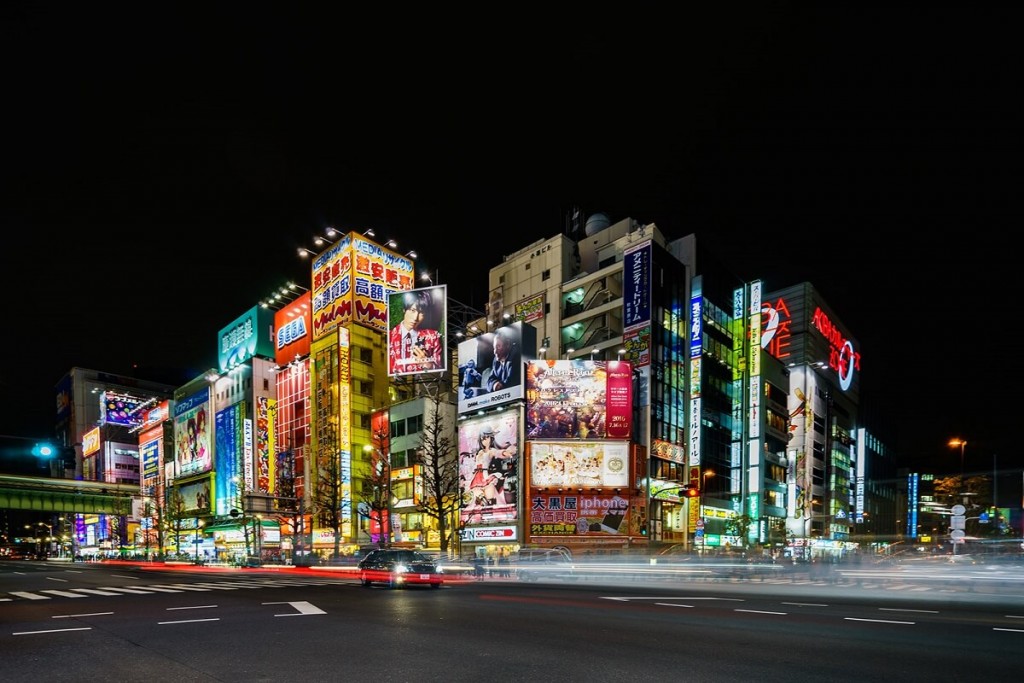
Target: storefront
(235,541)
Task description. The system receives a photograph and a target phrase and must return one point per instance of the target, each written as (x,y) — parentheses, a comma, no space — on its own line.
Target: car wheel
(435,585)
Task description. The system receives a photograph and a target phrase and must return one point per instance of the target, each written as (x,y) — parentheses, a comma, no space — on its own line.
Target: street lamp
(705,475)
(199,537)
(953,443)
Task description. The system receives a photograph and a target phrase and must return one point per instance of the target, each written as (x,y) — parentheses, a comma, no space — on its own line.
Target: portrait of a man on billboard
(491,366)
(416,341)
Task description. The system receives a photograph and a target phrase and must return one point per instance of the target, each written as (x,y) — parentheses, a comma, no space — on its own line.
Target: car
(399,567)
(531,564)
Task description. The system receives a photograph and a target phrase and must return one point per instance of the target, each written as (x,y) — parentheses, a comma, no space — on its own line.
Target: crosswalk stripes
(64,594)
(204,587)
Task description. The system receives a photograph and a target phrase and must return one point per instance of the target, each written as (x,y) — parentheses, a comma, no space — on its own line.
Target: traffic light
(44,449)
(691,492)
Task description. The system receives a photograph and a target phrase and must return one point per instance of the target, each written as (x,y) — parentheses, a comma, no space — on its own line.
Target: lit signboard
(352,280)
(417,323)
(578,399)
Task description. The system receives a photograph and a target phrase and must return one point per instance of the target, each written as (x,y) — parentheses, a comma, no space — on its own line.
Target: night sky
(160,169)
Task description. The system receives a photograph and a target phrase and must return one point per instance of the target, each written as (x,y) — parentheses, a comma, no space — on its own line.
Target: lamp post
(198,537)
(705,475)
(953,443)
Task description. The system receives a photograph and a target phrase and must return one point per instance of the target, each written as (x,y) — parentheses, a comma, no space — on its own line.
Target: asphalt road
(128,623)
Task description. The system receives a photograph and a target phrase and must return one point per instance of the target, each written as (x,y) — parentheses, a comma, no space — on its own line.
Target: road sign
(957,534)
(957,521)
(958,509)
(700,523)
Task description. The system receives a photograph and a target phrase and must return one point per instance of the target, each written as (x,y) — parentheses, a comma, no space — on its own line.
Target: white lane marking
(172,609)
(182,586)
(95,591)
(673,597)
(1014,616)
(759,611)
(185,621)
(54,578)
(806,604)
(669,604)
(879,621)
(52,630)
(901,609)
(161,589)
(75,616)
(30,596)
(1011,630)
(134,591)
(217,586)
(122,576)
(302,607)
(63,594)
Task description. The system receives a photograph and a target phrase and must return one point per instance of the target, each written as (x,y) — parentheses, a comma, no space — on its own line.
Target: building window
(397,428)
(546,275)
(414,423)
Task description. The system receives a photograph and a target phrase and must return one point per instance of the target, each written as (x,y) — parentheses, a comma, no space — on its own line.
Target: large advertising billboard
(579,399)
(195,496)
(193,452)
(250,334)
(489,454)
(292,330)
(121,409)
(578,514)
(491,366)
(352,281)
(230,440)
(266,463)
(417,337)
(575,464)
(636,286)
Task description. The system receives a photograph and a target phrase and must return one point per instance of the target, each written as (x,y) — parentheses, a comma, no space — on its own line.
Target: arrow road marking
(303,608)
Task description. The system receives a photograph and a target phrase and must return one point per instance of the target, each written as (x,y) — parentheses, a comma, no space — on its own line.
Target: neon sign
(841,357)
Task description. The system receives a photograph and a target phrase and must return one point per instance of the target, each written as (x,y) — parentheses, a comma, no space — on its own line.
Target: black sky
(160,168)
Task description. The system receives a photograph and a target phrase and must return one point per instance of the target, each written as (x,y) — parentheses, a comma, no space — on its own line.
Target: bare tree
(175,512)
(327,495)
(440,470)
(378,505)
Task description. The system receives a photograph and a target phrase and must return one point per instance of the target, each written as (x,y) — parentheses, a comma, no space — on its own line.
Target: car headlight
(400,568)
(440,569)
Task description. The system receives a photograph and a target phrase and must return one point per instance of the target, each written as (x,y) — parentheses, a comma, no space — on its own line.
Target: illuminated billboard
(578,514)
(250,334)
(193,453)
(230,438)
(489,455)
(636,286)
(195,496)
(352,280)
(266,462)
(121,409)
(293,330)
(417,331)
(491,366)
(576,464)
(799,328)
(579,399)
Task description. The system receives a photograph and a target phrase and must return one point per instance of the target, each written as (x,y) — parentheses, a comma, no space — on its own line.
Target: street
(131,623)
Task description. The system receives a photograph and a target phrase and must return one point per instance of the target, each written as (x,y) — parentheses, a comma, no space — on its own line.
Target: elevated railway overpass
(48,494)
